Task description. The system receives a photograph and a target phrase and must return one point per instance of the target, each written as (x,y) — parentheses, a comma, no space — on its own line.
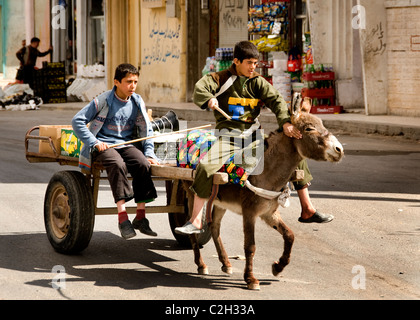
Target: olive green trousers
(247,154)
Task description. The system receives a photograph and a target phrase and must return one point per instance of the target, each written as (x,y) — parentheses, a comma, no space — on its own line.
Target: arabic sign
(233,24)
(153,3)
(378,35)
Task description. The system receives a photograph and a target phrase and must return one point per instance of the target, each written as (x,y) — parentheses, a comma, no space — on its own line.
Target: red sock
(122,216)
(141,214)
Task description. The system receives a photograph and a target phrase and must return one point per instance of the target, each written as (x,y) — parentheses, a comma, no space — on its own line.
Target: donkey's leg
(249,246)
(218,214)
(275,221)
(201,266)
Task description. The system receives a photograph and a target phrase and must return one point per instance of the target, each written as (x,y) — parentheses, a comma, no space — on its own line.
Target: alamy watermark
(59,280)
(58,20)
(359,20)
(359,280)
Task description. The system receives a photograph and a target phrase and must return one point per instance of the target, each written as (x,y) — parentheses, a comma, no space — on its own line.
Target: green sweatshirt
(241,100)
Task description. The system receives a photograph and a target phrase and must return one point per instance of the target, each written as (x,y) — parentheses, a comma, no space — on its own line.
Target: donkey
(281,157)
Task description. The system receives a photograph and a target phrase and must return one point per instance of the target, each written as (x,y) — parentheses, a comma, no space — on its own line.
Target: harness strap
(282,197)
(227,85)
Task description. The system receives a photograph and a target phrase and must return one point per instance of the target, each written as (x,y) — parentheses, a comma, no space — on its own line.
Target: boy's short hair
(124,69)
(245,50)
(35,39)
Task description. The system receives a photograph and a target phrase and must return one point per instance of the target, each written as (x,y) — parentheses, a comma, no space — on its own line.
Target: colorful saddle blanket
(195,146)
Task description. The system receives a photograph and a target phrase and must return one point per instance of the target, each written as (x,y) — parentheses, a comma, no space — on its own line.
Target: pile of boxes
(63,139)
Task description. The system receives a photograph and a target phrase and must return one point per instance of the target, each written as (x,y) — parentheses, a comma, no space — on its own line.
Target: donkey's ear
(306,105)
(295,106)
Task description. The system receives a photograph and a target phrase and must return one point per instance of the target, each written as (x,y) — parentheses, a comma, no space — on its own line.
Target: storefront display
(269,30)
(268,26)
(221,61)
(319,85)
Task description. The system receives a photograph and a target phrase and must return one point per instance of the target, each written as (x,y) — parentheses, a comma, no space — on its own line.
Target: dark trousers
(29,75)
(118,163)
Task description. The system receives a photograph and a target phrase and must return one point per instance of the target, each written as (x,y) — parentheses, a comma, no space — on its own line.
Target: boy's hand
(213,102)
(291,131)
(101,146)
(153,161)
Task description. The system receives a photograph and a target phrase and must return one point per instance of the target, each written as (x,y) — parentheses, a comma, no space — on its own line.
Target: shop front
(279,29)
(78,33)
(306,46)
(78,38)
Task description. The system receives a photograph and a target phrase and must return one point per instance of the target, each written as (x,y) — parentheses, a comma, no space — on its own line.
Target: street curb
(360,127)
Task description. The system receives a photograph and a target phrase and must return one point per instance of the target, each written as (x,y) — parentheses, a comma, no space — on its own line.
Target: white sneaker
(188,229)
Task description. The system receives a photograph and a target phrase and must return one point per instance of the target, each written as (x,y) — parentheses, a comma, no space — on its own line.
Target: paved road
(370,251)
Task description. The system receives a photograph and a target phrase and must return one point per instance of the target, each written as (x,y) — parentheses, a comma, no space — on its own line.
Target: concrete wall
(403,57)
(42,18)
(147,38)
(373,42)
(163,55)
(13,34)
(14,31)
(336,42)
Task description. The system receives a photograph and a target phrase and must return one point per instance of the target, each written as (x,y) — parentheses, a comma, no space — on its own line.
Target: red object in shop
(318,76)
(318,93)
(327,110)
(326,93)
(294,65)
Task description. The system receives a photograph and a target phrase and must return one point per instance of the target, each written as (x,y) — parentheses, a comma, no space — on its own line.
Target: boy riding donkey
(221,90)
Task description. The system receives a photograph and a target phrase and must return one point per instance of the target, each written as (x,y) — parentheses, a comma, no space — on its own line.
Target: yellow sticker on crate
(70,144)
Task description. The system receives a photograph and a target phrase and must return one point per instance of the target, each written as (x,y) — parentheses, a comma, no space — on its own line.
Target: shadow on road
(109,261)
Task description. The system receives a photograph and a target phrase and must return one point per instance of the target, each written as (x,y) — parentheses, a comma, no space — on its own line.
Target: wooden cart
(71,198)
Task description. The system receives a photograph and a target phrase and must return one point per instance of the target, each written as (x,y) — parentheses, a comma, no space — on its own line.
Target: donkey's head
(317,143)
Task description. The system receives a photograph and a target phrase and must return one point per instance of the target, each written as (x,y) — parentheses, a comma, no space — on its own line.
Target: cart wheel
(69,214)
(179,219)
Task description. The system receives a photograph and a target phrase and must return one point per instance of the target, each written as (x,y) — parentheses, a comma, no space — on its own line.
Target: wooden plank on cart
(177,173)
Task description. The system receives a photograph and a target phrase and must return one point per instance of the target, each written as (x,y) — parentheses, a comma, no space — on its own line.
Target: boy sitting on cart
(115,117)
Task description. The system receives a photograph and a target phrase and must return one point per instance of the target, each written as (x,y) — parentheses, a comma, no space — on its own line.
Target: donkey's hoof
(277,268)
(203,271)
(227,270)
(254,286)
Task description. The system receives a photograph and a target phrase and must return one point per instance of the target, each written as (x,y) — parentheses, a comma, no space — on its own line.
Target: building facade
(373,45)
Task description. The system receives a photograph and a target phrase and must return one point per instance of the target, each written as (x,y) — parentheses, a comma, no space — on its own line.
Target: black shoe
(317,218)
(127,230)
(144,227)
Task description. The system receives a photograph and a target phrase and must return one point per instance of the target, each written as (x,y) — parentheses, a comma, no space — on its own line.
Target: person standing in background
(27,57)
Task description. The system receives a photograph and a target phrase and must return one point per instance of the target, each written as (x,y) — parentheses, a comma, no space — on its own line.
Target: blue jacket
(89,121)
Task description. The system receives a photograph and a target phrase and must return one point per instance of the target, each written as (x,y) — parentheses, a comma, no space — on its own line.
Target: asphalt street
(370,251)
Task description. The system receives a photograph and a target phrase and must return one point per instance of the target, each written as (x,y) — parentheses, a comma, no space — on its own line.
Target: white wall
(335,41)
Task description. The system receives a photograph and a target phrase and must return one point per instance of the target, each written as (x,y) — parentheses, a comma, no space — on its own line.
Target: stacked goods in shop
(50,82)
(282,83)
(222,61)
(270,20)
(210,66)
(319,85)
(224,58)
(280,78)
